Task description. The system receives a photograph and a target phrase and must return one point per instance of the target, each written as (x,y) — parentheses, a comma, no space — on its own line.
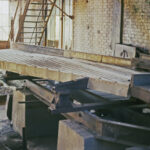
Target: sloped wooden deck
(102,77)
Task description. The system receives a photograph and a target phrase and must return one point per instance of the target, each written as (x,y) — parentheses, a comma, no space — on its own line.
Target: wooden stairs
(33,22)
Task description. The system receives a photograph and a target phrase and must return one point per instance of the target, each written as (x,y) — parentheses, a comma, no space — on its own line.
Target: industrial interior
(74,75)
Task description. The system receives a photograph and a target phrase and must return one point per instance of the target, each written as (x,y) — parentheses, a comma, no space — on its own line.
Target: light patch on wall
(4,20)
(54,26)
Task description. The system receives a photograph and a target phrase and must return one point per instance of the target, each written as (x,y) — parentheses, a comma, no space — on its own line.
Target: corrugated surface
(102,77)
(61,64)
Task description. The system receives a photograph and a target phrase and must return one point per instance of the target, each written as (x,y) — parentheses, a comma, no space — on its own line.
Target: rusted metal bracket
(57,96)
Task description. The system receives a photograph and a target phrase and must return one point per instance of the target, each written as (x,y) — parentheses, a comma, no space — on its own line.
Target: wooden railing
(46,22)
(35,28)
(21,20)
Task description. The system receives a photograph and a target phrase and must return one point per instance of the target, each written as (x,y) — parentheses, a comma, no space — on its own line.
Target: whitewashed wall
(54,25)
(4,20)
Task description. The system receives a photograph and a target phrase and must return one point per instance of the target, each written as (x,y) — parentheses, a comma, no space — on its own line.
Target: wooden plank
(139,63)
(142,93)
(4,44)
(109,87)
(145,57)
(98,58)
(116,61)
(46,95)
(37,49)
(92,122)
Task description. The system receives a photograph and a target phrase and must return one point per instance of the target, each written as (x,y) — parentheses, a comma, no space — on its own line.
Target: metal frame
(126,134)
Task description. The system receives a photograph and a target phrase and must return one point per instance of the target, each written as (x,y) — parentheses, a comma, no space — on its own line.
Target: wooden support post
(62,24)
(21,28)
(12,30)
(45,14)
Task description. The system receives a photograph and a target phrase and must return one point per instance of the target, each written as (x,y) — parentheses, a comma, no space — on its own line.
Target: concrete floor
(10,140)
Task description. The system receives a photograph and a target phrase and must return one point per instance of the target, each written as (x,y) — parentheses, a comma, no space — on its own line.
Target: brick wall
(96,27)
(92,26)
(137,23)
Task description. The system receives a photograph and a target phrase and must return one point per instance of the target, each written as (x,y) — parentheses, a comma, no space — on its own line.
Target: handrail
(14,18)
(43,7)
(22,19)
(54,2)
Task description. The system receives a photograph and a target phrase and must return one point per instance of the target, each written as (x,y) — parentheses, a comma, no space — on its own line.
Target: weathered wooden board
(102,77)
(37,49)
(141,63)
(145,56)
(99,58)
(4,44)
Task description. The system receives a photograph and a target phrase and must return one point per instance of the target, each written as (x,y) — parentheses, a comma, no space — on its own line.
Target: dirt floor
(10,140)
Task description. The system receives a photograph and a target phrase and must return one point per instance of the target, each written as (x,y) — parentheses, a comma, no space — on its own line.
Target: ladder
(34,21)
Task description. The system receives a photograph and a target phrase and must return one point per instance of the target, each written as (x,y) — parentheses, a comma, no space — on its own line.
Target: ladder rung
(30,42)
(34,16)
(35,21)
(32,27)
(39,9)
(29,32)
(29,37)
(41,3)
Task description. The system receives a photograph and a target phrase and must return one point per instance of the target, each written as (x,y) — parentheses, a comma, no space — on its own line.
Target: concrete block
(34,116)
(125,51)
(18,112)
(74,136)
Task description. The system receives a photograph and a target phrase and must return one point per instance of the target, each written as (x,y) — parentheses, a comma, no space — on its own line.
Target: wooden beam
(145,57)
(4,44)
(139,63)
(37,49)
(98,58)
